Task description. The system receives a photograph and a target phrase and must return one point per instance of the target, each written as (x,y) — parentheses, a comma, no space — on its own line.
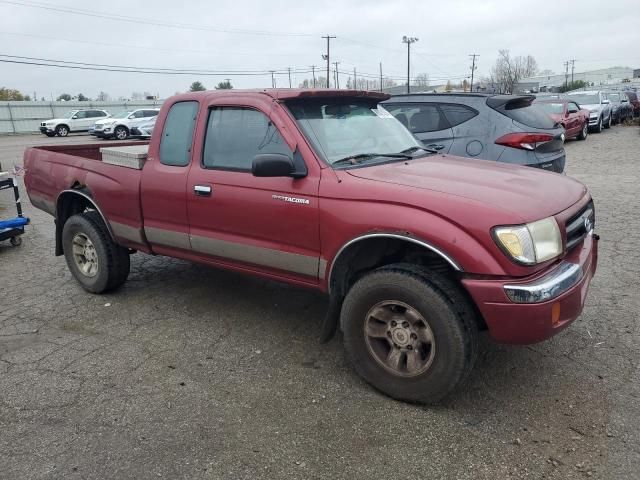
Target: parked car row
(99,123)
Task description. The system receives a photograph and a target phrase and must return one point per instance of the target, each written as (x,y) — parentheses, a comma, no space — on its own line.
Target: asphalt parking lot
(190,372)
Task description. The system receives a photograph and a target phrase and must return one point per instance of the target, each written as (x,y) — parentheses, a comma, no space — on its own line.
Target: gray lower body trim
(265,257)
(167,238)
(128,233)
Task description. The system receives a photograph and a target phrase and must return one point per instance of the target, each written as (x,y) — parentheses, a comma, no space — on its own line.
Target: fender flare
(88,198)
(446,257)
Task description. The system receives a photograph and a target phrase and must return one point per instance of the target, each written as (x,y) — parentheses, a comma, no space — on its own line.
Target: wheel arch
(382,248)
(70,202)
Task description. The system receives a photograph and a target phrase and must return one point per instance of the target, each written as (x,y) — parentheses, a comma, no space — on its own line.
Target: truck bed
(79,167)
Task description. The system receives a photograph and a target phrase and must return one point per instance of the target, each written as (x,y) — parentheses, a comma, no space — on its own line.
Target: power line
(157,69)
(158,23)
(106,44)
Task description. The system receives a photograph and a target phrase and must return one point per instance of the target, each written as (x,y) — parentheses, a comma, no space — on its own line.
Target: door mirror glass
(272,165)
(75,117)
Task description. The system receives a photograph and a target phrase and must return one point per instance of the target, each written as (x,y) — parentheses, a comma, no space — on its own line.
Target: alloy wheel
(85,255)
(399,338)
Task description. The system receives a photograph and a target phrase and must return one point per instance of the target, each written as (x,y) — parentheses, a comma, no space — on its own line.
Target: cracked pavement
(191,372)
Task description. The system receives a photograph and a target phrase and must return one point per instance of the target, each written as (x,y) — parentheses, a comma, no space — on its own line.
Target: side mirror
(75,117)
(272,165)
(606,102)
(131,116)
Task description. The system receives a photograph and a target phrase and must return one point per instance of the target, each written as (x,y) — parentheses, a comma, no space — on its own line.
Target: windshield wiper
(355,159)
(415,149)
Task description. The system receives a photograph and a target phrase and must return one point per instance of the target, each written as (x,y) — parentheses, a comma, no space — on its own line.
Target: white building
(602,77)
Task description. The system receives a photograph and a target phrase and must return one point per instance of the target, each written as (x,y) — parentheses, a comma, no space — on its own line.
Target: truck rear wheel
(409,333)
(95,261)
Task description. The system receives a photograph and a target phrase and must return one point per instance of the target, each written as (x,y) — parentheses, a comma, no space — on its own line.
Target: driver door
(262,224)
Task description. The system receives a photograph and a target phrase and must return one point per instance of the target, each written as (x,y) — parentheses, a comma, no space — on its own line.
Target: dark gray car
(506,128)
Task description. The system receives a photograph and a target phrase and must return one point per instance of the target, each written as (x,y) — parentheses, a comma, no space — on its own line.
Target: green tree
(9,94)
(64,97)
(197,87)
(575,85)
(226,85)
(82,98)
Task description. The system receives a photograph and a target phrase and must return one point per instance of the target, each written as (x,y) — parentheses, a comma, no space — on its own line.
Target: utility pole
(327,58)
(337,76)
(566,75)
(289,71)
(380,76)
(409,41)
(273,79)
(573,65)
(313,71)
(355,79)
(473,69)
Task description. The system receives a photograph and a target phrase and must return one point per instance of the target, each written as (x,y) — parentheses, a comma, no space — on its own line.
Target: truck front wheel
(409,333)
(95,261)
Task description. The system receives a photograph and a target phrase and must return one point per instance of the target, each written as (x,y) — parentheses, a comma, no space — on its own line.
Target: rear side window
(419,118)
(523,111)
(457,114)
(236,135)
(177,134)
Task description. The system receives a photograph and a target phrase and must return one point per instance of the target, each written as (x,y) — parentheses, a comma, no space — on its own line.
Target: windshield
(586,99)
(344,128)
(122,114)
(551,107)
(70,113)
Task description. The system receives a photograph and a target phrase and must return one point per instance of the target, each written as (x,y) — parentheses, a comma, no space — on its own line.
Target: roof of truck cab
(288,93)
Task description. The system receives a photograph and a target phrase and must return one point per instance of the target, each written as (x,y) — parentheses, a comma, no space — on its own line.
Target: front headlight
(532,243)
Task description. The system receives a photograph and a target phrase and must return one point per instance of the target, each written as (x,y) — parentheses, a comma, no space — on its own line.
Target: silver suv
(505,128)
(598,105)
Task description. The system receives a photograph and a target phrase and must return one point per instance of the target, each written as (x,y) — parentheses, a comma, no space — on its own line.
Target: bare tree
(508,70)
(421,80)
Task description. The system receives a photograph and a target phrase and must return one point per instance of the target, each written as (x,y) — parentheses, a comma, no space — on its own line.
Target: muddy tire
(95,261)
(410,333)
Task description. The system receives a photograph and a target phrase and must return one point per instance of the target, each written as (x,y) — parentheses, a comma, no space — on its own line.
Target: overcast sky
(274,35)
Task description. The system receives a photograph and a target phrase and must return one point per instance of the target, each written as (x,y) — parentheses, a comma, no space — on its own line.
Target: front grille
(580,225)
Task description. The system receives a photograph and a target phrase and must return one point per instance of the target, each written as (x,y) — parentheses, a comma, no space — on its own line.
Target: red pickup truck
(324,189)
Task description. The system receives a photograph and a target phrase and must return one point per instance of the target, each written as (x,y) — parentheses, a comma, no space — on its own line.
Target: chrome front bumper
(548,287)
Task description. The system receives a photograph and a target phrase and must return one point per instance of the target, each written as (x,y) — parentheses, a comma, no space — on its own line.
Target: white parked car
(119,125)
(144,129)
(72,121)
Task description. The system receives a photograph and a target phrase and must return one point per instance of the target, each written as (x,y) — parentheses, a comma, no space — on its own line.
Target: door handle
(202,190)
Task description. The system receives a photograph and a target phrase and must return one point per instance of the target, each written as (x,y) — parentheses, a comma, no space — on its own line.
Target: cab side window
(236,135)
(81,115)
(572,107)
(177,134)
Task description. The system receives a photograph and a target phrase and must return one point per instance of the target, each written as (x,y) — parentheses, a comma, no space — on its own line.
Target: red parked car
(574,119)
(416,250)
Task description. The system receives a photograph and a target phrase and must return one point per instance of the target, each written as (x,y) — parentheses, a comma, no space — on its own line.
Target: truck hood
(526,192)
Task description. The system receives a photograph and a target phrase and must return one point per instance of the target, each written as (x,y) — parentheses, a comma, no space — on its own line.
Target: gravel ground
(189,372)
